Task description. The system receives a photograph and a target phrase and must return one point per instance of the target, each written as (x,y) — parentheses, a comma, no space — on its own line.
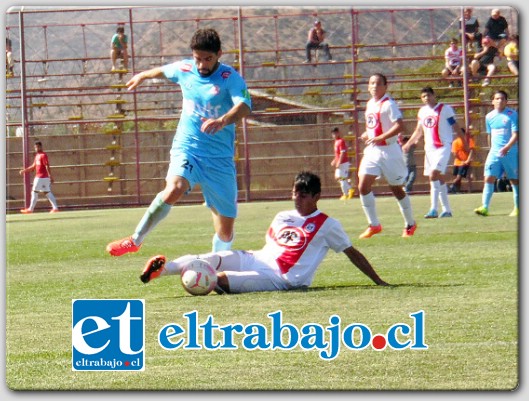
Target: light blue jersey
(203,98)
(500,126)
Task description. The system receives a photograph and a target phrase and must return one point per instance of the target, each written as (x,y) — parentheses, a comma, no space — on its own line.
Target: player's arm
(235,114)
(137,79)
(27,169)
(512,140)
(414,138)
(360,261)
(398,126)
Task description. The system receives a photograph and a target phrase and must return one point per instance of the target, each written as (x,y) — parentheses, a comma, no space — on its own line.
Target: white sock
(369,206)
(406,210)
(443,197)
(434,194)
(34,199)
(52,200)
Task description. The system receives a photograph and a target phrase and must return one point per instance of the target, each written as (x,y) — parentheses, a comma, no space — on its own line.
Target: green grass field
(463,272)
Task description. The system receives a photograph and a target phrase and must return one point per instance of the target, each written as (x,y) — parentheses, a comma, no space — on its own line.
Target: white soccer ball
(198,277)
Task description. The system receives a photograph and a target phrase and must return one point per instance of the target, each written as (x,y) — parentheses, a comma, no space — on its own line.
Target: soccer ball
(198,277)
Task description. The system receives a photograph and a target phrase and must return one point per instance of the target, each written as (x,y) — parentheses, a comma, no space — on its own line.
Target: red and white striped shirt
(298,244)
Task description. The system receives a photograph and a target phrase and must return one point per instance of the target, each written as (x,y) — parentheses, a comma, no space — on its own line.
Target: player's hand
(134,81)
(211,125)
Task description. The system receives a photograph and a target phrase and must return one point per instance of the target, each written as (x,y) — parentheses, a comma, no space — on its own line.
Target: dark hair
(335,129)
(427,89)
(381,76)
(39,143)
(206,40)
(120,29)
(500,92)
(307,182)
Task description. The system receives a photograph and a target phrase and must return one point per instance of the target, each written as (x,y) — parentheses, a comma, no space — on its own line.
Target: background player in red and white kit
(437,122)
(296,243)
(341,164)
(42,181)
(383,157)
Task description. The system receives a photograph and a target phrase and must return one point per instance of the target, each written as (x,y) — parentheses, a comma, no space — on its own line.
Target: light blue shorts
(217,178)
(496,165)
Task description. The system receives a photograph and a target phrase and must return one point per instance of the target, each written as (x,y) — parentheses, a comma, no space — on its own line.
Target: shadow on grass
(376,287)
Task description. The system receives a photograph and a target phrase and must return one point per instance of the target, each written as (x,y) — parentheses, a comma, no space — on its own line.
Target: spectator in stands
(215,98)
(383,156)
(118,48)
(42,181)
(462,162)
(437,123)
(483,62)
(315,40)
(472,30)
(511,53)
(9,58)
(502,128)
(497,29)
(453,61)
(411,164)
(341,164)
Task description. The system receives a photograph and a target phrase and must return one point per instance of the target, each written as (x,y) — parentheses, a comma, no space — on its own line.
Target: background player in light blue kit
(502,126)
(215,97)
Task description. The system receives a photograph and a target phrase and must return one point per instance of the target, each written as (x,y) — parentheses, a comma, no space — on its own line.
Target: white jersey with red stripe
(436,125)
(296,245)
(380,116)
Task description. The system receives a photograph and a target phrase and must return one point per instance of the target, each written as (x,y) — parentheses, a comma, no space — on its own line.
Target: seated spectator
(483,62)
(315,40)
(9,58)
(462,162)
(453,60)
(472,30)
(118,46)
(497,29)
(511,53)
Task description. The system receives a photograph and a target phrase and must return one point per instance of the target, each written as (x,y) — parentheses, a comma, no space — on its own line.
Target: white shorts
(41,184)
(342,172)
(384,161)
(247,271)
(436,159)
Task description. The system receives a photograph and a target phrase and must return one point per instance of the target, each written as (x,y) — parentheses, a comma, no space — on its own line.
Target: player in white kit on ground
(296,243)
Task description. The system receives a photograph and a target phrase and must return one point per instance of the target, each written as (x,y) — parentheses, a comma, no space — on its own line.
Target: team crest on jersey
(371,121)
(184,67)
(215,90)
(291,237)
(430,121)
(225,74)
(310,227)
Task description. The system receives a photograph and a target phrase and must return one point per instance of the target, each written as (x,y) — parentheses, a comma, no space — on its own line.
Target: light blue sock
(488,190)
(515,195)
(219,245)
(155,213)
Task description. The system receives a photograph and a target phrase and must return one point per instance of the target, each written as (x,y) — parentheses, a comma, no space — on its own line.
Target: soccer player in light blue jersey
(502,126)
(215,97)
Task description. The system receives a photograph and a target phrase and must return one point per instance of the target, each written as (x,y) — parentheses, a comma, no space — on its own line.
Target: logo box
(108,334)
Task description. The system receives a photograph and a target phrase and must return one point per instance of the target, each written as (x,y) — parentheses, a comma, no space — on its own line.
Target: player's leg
(395,171)
(368,172)
(219,187)
(158,266)
(493,169)
(181,177)
(224,232)
(510,165)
